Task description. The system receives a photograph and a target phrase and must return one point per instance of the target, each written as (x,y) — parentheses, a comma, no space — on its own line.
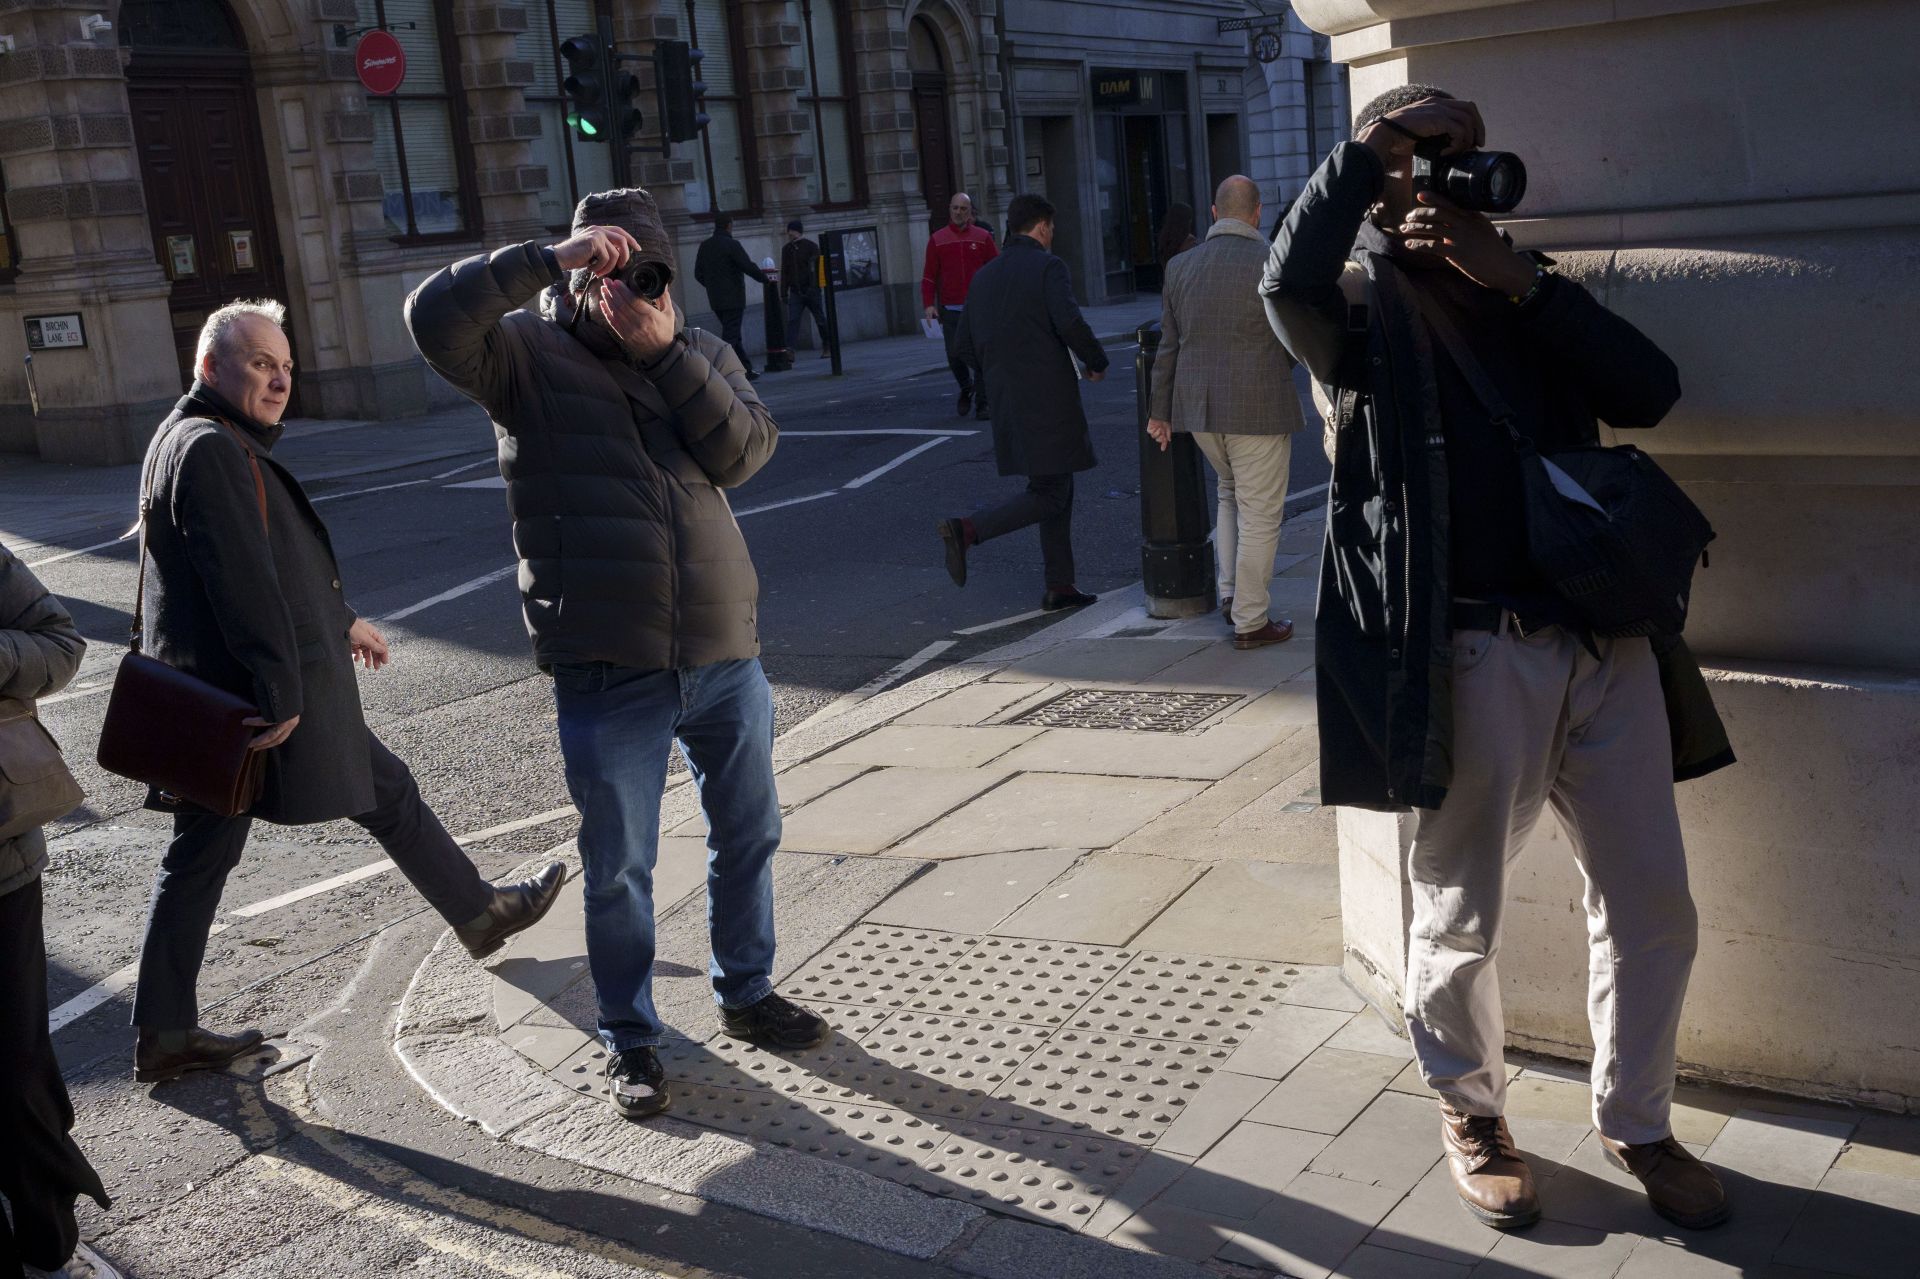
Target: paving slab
(972,894)
(1369,1033)
(1556,1250)
(1114,1086)
(931,746)
(1858,1223)
(980,703)
(1098,662)
(1589,1191)
(1221,1103)
(1327,1091)
(1432,1222)
(878,965)
(1785,1149)
(1292,704)
(1050,810)
(881,807)
(539,963)
(1041,983)
(1222,668)
(1886,1144)
(1245,1169)
(1020,1250)
(1284,1038)
(1320,986)
(1208,755)
(547,1039)
(1173,1231)
(1105,899)
(1203,999)
(1369,1262)
(1212,827)
(497,1092)
(1392,1143)
(1159,1169)
(811,780)
(1263,910)
(1311,1227)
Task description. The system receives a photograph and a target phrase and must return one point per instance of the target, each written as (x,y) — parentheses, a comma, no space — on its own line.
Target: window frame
(456,99)
(10,269)
(601,9)
(743,100)
(848,97)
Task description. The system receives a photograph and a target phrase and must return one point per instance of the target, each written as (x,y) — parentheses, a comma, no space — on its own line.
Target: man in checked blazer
(1223,376)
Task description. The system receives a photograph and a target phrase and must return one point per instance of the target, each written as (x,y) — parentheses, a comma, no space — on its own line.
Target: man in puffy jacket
(619,429)
(1451,679)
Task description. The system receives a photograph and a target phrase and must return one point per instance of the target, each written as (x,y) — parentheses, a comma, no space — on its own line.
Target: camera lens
(1490,181)
(649,279)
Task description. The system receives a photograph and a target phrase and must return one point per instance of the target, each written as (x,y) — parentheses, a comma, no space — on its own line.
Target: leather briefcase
(173,730)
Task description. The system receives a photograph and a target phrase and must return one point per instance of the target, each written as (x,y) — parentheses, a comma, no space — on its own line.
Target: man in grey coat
(1222,375)
(244,592)
(1024,332)
(619,431)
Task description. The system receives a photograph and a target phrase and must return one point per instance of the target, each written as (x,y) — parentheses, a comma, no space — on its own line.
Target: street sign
(1116,88)
(49,332)
(380,62)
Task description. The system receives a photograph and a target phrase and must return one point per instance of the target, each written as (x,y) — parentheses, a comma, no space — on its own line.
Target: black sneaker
(775,1022)
(637,1083)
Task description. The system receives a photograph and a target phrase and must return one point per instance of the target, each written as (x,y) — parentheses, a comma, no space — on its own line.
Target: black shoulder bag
(1610,532)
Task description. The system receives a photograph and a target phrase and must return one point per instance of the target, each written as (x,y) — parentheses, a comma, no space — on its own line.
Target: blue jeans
(617,726)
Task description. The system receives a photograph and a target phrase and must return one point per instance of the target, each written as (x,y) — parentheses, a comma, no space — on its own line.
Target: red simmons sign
(380,62)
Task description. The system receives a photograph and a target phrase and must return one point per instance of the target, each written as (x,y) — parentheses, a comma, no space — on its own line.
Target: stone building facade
(193,151)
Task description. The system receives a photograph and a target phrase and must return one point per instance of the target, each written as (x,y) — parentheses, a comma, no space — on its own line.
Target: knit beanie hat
(633,210)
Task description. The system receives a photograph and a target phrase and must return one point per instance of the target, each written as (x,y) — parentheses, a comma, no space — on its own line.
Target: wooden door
(201,164)
(934,136)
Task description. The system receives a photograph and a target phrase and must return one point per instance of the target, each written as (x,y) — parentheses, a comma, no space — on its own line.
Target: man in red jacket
(954,253)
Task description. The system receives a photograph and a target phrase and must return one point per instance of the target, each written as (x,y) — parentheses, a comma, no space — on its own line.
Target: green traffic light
(586,127)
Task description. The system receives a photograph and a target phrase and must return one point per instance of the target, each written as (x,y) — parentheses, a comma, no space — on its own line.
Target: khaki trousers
(1252,471)
(1540,721)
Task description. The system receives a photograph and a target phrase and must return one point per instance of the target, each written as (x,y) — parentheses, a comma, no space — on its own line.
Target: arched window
(839,176)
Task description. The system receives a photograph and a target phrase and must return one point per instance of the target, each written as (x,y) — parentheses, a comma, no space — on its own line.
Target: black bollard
(1176,550)
(779,358)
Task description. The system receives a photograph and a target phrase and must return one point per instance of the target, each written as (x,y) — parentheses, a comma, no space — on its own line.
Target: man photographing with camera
(618,430)
(1456,676)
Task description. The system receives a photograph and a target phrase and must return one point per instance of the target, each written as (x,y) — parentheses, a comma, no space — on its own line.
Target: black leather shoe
(981,413)
(964,405)
(204,1050)
(776,1023)
(637,1083)
(1054,601)
(514,907)
(954,534)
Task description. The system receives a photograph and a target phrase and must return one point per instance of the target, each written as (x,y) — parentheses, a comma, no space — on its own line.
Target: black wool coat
(722,266)
(1019,326)
(258,612)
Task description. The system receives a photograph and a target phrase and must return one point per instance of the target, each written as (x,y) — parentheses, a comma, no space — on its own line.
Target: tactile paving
(876,966)
(1005,979)
(1193,998)
(1136,710)
(732,1063)
(1119,1086)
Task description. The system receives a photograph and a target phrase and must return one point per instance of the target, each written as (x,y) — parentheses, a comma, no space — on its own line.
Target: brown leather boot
(1679,1187)
(1492,1179)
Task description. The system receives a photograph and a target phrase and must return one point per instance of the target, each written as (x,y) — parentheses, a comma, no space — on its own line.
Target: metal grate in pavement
(1139,710)
(1113,1085)
(1008,979)
(1193,998)
(876,965)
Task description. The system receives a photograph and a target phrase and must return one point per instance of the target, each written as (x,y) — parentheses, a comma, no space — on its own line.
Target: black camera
(1488,181)
(647,279)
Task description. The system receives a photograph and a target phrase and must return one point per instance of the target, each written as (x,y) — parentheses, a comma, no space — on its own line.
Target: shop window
(838,176)
(723,153)
(419,134)
(575,168)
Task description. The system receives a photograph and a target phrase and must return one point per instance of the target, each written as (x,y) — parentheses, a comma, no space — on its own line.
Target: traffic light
(677,70)
(627,115)
(586,87)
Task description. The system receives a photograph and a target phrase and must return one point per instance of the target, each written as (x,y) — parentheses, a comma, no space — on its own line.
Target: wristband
(1539,279)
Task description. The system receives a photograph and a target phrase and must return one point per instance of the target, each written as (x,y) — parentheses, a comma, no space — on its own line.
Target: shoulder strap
(253,462)
(1470,368)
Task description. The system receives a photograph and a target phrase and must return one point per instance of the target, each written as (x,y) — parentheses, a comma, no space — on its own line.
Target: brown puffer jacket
(39,652)
(629,552)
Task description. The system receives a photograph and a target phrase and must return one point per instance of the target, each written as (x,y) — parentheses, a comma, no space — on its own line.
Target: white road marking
(908,456)
(67,555)
(1318,488)
(378,488)
(878,684)
(465,588)
(100,992)
(491,482)
(525,823)
(470,466)
(313,890)
(1015,620)
(792,501)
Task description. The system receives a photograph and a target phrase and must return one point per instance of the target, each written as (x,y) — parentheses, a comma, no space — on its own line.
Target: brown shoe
(1492,1179)
(514,907)
(1272,633)
(1679,1187)
(204,1050)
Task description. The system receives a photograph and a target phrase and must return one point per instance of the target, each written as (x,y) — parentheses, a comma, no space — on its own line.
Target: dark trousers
(970,377)
(799,304)
(1047,502)
(42,1171)
(206,848)
(730,333)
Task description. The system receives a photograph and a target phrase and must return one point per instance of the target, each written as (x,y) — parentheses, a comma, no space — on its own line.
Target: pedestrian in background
(1176,234)
(246,595)
(955,254)
(619,431)
(723,268)
(800,286)
(42,1171)
(1223,376)
(1023,328)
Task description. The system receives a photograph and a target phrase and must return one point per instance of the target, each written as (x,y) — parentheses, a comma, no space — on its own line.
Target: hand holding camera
(599,249)
(645,325)
(1468,242)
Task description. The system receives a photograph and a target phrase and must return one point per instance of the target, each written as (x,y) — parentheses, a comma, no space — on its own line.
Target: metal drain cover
(1140,710)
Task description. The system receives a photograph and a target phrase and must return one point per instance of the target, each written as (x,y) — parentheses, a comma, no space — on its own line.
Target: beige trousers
(1540,721)
(1252,471)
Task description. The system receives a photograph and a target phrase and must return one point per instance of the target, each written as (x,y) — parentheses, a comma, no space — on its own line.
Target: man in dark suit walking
(800,285)
(722,267)
(1024,331)
(245,593)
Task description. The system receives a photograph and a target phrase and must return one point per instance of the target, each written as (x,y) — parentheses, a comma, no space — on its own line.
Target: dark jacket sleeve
(39,647)
(1063,314)
(744,261)
(1629,381)
(454,317)
(1301,283)
(716,412)
(214,505)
